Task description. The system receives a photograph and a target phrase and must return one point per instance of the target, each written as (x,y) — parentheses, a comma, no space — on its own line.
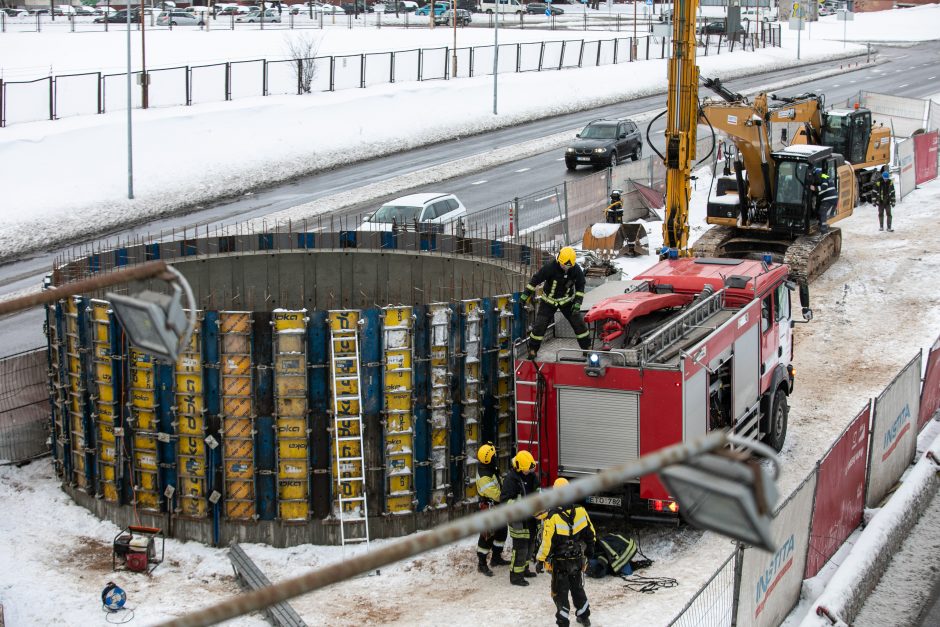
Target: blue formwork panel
(188,248)
(458,328)
(518,318)
(166,451)
(120,257)
(488,370)
(94,263)
(422,440)
(306,240)
(88,422)
(265,460)
(124,480)
(428,241)
(151,252)
(496,249)
(525,255)
(212,399)
(389,240)
(266,241)
(319,422)
(347,239)
(372,390)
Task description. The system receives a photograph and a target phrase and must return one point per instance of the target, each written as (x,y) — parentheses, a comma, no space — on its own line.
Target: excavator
(849,132)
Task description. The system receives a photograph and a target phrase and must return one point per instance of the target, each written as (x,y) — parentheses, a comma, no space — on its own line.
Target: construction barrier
(327,425)
(905,158)
(930,390)
(925,157)
(893,432)
(24,406)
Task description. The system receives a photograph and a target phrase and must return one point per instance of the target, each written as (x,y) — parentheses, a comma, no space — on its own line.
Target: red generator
(135,549)
(688,346)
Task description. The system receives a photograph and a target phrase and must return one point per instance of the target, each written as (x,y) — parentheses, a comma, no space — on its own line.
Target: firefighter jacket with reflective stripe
(884,193)
(563,530)
(488,486)
(561,286)
(517,486)
(827,192)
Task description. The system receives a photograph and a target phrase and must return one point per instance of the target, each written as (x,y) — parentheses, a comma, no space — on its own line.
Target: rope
(648,585)
(109,613)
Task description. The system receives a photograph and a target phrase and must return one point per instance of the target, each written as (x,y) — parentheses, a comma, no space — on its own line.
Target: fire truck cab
(688,346)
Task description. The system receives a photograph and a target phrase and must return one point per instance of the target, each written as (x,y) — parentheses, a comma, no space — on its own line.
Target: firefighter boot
(528,573)
(584,620)
(517,579)
(481,565)
(497,560)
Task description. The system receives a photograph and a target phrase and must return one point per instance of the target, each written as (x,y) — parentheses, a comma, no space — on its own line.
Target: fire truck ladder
(528,412)
(347,438)
(675,330)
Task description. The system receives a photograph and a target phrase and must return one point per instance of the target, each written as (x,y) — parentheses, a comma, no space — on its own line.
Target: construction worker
(884,198)
(564,290)
(519,483)
(489,491)
(564,530)
(614,212)
(826,197)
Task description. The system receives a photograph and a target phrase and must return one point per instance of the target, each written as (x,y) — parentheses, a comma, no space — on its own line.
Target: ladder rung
(350,540)
(351,499)
(344,357)
(348,397)
(348,438)
(347,378)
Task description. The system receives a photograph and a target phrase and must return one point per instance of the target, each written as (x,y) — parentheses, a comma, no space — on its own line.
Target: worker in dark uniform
(826,197)
(519,483)
(489,491)
(614,212)
(563,532)
(563,289)
(884,198)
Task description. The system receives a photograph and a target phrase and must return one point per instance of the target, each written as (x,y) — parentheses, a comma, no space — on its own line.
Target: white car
(270,15)
(432,208)
(179,18)
(329,9)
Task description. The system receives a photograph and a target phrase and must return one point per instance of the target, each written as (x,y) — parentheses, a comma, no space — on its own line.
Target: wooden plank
(279,614)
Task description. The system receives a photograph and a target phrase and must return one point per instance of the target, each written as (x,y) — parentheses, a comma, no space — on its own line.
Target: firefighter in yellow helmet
(614,212)
(489,490)
(564,530)
(563,290)
(520,482)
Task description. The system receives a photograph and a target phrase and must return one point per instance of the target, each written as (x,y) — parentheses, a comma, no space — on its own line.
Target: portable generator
(135,549)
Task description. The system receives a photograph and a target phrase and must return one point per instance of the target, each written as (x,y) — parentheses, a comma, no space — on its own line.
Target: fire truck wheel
(777,427)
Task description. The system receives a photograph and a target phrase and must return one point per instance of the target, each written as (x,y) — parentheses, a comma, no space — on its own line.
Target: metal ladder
(527,412)
(677,329)
(347,438)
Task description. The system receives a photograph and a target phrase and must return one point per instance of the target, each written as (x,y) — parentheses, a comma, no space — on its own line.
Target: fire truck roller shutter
(746,372)
(695,405)
(602,436)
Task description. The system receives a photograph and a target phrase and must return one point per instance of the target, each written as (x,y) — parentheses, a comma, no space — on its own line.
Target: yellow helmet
(523,461)
(486,453)
(567,257)
(560,482)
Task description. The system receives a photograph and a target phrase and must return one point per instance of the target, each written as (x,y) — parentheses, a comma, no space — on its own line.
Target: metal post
(799,28)
(495,56)
(130,149)
(144,82)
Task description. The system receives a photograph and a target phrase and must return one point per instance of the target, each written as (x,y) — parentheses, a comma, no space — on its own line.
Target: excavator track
(808,255)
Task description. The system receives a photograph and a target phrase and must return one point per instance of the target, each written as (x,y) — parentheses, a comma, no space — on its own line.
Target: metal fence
(67,95)
(714,602)
(24,406)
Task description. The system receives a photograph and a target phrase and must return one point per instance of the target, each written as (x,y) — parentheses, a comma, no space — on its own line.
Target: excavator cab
(847,132)
(795,205)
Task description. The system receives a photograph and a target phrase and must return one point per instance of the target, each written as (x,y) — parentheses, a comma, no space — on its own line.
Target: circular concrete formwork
(367,365)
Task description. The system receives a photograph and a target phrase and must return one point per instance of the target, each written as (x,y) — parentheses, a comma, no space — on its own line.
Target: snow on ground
(190,155)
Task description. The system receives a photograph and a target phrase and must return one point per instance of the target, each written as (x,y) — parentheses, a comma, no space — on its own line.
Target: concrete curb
(860,572)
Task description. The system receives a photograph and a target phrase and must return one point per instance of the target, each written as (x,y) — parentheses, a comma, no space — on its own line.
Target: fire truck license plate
(584,158)
(612,501)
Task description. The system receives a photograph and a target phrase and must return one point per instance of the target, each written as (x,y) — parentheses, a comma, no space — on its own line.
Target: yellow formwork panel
(75,391)
(472,401)
(143,401)
(290,394)
(237,415)
(398,389)
(344,320)
(191,428)
(104,398)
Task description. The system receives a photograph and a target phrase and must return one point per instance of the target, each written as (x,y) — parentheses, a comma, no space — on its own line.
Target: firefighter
(884,198)
(489,489)
(564,290)
(614,212)
(519,483)
(563,531)
(826,197)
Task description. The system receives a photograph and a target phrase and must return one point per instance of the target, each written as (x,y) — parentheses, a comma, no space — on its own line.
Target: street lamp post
(130,147)
(495,55)
(453,18)
(144,79)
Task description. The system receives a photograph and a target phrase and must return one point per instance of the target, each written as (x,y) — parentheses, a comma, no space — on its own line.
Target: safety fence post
(300,76)
(471,61)
(332,72)
(420,63)
(581,54)
(51,99)
(228,80)
(362,71)
(188,73)
(264,77)
(518,57)
(541,55)
(561,57)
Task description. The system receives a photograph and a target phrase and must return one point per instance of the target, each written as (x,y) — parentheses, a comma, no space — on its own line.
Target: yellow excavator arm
(681,123)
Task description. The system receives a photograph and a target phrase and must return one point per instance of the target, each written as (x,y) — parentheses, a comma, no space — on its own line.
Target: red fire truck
(690,345)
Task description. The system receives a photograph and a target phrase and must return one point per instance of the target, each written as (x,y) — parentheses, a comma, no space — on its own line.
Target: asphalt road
(905,71)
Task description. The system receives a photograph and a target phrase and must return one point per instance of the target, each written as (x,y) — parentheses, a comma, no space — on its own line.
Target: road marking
(560,159)
(836,85)
(523,170)
(930,78)
(903,56)
(479,182)
(904,85)
(851,81)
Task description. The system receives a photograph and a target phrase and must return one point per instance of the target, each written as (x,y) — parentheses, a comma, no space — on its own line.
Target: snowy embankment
(188,156)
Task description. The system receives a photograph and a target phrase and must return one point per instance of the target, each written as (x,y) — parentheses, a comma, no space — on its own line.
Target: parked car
(539,8)
(118,17)
(402,6)
(505,6)
(16,12)
(427,210)
(464,17)
(179,18)
(269,15)
(603,143)
(439,9)
(713,28)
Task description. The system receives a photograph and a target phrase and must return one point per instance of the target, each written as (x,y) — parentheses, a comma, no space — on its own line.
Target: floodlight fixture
(156,323)
(727,492)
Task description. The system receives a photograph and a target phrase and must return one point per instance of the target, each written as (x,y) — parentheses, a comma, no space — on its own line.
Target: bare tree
(302,48)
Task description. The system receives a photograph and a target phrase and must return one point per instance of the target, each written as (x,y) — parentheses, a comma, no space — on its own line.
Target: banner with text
(771,582)
(925,157)
(893,432)
(840,493)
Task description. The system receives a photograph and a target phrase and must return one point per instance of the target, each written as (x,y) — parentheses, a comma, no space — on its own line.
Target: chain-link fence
(714,602)
(24,406)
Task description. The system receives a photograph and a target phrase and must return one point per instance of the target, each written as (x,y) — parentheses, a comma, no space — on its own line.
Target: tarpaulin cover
(840,493)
